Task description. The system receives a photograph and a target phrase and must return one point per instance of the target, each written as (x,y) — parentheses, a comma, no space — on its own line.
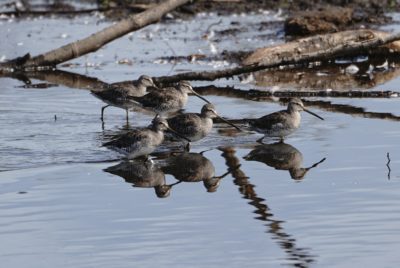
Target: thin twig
(387,164)
(212,25)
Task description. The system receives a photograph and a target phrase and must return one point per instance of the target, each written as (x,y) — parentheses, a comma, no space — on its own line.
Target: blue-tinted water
(58,207)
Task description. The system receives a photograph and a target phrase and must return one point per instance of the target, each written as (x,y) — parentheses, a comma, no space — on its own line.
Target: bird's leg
(187,147)
(102,112)
(281,140)
(147,159)
(127,117)
(261,139)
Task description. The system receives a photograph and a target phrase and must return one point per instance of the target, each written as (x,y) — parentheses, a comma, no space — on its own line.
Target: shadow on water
(281,156)
(299,257)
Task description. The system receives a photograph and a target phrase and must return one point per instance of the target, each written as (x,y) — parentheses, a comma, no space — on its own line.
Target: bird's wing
(185,123)
(269,121)
(113,93)
(122,84)
(129,139)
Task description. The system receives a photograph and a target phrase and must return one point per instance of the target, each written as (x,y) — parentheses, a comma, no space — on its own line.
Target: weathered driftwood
(317,48)
(97,40)
(324,47)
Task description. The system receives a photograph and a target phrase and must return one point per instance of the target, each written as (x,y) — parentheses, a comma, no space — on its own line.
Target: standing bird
(195,126)
(281,124)
(167,100)
(117,94)
(141,141)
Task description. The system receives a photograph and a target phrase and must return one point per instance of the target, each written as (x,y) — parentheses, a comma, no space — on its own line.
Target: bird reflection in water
(193,167)
(144,175)
(185,167)
(281,156)
(296,255)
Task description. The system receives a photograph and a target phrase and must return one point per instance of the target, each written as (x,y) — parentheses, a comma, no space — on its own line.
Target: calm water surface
(59,207)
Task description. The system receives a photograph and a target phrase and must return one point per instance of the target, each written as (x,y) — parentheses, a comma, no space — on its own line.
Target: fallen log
(92,43)
(324,47)
(302,51)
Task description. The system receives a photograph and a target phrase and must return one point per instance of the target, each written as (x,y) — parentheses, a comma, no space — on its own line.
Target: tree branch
(97,40)
(316,48)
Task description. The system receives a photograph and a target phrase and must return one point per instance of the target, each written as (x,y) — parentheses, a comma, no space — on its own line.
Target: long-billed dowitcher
(281,156)
(283,123)
(195,126)
(117,93)
(142,142)
(166,100)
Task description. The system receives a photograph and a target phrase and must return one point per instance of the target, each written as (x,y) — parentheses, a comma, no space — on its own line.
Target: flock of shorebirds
(187,127)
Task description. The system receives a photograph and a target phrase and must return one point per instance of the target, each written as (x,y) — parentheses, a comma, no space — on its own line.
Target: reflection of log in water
(256,95)
(328,76)
(68,79)
(299,256)
(74,80)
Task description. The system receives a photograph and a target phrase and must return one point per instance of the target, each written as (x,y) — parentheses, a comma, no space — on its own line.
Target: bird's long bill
(179,135)
(201,97)
(313,114)
(229,123)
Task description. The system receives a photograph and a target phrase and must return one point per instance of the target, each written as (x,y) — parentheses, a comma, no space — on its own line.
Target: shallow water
(58,207)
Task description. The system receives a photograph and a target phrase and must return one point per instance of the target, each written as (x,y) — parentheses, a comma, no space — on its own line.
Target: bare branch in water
(387,164)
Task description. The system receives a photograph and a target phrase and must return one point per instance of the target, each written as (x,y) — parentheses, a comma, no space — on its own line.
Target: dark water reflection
(301,257)
(184,167)
(142,174)
(281,156)
(195,167)
(74,214)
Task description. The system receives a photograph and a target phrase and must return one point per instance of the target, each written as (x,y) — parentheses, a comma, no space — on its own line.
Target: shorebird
(281,156)
(142,141)
(280,124)
(117,93)
(195,126)
(166,100)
